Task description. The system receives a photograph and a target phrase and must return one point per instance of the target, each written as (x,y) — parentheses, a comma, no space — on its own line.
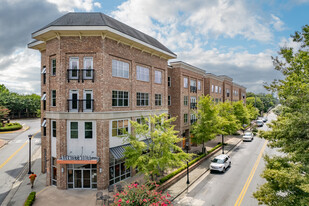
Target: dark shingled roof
(100,19)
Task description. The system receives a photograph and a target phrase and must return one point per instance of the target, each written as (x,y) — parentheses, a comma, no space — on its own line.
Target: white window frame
(185,82)
(71,60)
(71,93)
(185,100)
(120,69)
(158,77)
(219,90)
(52,128)
(111,126)
(87,130)
(142,73)
(216,89)
(185,117)
(87,91)
(199,85)
(212,88)
(53,70)
(85,73)
(117,98)
(158,99)
(53,98)
(193,82)
(140,99)
(43,97)
(44,123)
(192,99)
(75,130)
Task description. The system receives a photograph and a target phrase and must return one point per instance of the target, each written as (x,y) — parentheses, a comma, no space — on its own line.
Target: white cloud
(71,5)
(289,43)
(20,71)
(277,23)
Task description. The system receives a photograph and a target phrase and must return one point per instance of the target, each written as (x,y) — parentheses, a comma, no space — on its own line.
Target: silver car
(259,123)
(220,163)
(248,136)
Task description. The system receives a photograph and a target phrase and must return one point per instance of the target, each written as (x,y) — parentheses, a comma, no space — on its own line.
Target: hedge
(11,127)
(172,174)
(30,199)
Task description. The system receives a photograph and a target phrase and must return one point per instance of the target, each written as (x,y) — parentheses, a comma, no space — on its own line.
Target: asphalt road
(15,155)
(236,186)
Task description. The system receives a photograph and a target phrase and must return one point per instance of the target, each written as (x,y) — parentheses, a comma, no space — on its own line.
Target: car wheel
(223,170)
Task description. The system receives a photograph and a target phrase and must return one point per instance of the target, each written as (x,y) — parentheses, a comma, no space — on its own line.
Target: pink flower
(144,200)
(168,195)
(128,201)
(120,200)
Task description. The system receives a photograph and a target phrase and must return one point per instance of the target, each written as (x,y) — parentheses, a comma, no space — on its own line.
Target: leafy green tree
(207,125)
(253,112)
(161,153)
(287,175)
(4,112)
(257,102)
(241,113)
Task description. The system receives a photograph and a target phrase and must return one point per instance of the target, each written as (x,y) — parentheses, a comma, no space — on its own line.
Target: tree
(257,102)
(4,112)
(287,175)
(160,152)
(207,125)
(253,112)
(241,113)
(227,120)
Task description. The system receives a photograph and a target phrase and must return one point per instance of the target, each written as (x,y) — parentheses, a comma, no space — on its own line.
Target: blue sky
(234,38)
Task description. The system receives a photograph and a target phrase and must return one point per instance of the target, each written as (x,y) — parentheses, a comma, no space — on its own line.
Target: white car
(220,163)
(264,119)
(259,123)
(248,136)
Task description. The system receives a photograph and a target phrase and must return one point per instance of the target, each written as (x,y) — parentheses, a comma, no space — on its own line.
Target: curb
(19,180)
(5,143)
(20,130)
(230,150)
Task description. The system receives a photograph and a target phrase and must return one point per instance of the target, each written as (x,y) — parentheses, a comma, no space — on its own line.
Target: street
(235,187)
(15,155)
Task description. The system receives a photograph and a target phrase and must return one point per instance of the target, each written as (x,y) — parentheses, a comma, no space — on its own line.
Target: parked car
(264,119)
(248,136)
(220,163)
(259,123)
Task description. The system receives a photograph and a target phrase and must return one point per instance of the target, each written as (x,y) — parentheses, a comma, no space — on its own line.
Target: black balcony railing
(80,105)
(80,74)
(193,89)
(193,121)
(193,105)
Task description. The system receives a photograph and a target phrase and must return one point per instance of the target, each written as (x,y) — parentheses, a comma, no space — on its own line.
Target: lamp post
(187,147)
(222,144)
(29,136)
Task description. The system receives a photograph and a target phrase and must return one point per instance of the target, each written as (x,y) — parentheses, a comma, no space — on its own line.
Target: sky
(236,38)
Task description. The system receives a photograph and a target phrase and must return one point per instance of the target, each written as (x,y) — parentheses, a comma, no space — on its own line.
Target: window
(88,100)
(118,126)
(158,100)
(120,69)
(192,118)
(185,118)
(74,66)
(212,88)
(53,98)
(142,99)
(142,73)
(88,68)
(227,92)
(117,170)
(44,74)
(120,99)
(185,82)
(185,100)
(199,85)
(44,100)
(158,77)
(53,67)
(44,127)
(216,89)
(169,100)
(142,121)
(54,129)
(169,81)
(74,130)
(193,83)
(219,90)
(73,101)
(88,130)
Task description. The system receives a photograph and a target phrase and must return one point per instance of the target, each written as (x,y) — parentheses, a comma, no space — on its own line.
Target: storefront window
(117,170)
(82,176)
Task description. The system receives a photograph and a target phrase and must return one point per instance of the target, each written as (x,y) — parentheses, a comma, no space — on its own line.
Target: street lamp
(222,144)
(187,147)
(29,136)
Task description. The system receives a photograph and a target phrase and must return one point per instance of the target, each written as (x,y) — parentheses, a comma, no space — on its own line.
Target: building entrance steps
(181,185)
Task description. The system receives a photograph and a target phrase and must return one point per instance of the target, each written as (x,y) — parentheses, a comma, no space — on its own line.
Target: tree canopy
(228,123)
(287,175)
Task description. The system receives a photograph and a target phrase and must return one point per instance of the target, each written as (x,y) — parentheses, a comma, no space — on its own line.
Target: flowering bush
(135,195)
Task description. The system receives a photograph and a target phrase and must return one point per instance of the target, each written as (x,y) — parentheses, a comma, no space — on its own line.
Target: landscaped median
(10,127)
(174,176)
(30,200)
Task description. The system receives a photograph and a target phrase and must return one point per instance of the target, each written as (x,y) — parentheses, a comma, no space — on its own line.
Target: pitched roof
(100,19)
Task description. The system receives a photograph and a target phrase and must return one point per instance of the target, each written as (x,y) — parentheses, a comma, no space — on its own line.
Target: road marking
(8,159)
(42,190)
(245,188)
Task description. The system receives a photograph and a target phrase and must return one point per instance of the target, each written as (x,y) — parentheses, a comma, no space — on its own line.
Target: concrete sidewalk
(180,186)
(22,188)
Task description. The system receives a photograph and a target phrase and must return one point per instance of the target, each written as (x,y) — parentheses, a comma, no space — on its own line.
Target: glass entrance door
(86,179)
(82,176)
(78,179)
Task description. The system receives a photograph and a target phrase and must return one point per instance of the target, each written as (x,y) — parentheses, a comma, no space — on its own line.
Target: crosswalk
(19,141)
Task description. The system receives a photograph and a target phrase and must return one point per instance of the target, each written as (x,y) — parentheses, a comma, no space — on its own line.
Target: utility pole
(30,137)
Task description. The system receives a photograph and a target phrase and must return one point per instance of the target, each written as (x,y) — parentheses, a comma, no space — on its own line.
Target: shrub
(11,127)
(30,199)
(172,174)
(1,125)
(135,194)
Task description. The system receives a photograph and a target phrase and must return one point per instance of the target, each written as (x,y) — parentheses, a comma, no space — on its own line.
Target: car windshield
(259,121)
(247,134)
(217,160)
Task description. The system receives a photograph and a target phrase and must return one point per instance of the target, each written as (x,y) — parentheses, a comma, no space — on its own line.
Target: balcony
(80,105)
(193,121)
(193,89)
(193,105)
(80,74)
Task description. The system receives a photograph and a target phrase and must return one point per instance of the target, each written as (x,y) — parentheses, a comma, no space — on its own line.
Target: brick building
(186,85)
(214,87)
(97,74)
